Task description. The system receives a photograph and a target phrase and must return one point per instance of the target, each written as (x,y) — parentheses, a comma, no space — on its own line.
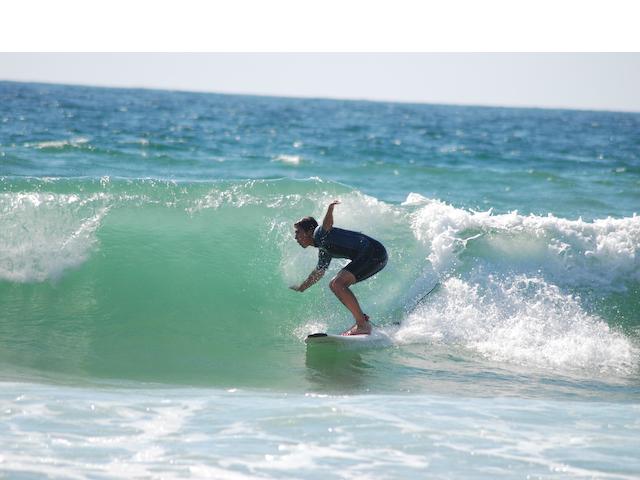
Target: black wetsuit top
(367,254)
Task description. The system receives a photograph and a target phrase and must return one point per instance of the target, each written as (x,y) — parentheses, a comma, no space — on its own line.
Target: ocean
(147,327)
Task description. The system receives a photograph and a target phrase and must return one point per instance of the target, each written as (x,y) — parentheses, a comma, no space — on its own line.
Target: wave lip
(603,254)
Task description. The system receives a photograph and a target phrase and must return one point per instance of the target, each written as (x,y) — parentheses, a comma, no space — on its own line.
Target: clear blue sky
(584,81)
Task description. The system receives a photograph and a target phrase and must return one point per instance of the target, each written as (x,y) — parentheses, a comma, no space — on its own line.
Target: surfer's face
(303,238)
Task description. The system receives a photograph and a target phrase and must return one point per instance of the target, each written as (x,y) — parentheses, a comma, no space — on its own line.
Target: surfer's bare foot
(364,329)
(356,330)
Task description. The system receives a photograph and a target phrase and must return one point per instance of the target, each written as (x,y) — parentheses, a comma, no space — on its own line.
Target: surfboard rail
(375,337)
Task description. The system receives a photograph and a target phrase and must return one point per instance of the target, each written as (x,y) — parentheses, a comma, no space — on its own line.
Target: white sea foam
(58,431)
(289,159)
(519,320)
(509,282)
(45,234)
(604,253)
(73,142)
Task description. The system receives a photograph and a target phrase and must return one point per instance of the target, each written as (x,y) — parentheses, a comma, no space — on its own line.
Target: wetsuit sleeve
(324,259)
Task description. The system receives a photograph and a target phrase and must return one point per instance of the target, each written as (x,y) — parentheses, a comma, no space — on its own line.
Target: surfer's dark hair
(306,224)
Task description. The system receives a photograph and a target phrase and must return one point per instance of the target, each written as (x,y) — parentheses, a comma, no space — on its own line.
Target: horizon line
(315,97)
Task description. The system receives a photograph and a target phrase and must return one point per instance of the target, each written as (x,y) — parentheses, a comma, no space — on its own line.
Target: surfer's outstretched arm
(316,275)
(327,223)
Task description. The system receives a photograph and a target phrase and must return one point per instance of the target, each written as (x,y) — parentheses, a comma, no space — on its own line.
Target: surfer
(367,255)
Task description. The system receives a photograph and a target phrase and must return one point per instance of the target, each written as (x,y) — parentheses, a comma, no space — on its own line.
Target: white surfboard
(376,337)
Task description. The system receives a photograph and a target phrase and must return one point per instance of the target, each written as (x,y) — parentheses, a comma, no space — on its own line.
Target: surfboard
(376,337)
(332,338)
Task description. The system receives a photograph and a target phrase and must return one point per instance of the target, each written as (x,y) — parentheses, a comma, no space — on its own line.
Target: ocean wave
(130,258)
(603,254)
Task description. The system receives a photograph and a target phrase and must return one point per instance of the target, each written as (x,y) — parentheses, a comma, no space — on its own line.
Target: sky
(600,81)
(304,49)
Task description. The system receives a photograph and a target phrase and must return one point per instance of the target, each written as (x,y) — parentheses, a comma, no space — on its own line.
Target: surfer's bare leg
(340,287)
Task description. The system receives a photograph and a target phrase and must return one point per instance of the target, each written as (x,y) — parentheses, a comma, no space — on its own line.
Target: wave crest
(601,254)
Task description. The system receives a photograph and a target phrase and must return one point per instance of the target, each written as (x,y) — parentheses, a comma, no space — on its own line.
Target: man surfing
(367,255)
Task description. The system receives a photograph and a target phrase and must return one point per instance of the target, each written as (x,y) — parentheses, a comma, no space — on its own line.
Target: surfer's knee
(342,281)
(336,284)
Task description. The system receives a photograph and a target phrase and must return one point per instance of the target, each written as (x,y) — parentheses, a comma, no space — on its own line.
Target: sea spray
(45,234)
(520,320)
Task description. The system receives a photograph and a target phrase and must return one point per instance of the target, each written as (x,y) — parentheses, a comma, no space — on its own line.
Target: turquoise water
(147,328)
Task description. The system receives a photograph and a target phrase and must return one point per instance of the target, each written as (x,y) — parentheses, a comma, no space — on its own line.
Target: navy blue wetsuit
(368,256)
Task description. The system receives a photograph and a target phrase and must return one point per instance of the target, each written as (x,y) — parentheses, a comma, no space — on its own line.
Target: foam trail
(520,320)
